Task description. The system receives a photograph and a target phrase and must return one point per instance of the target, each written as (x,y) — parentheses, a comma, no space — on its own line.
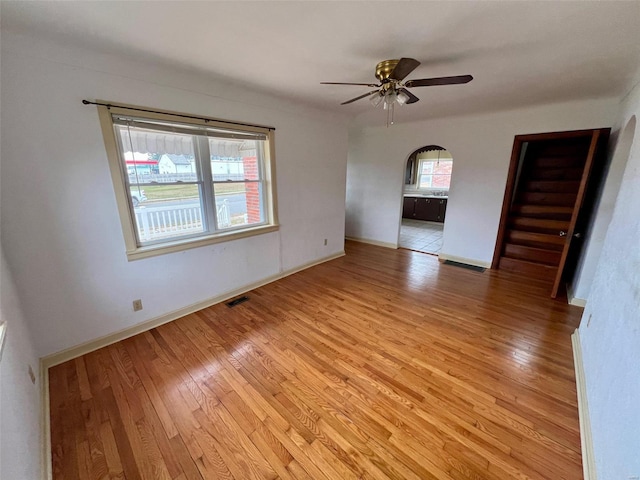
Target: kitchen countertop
(424,195)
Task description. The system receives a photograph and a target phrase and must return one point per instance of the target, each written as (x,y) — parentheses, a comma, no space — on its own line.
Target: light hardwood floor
(381,364)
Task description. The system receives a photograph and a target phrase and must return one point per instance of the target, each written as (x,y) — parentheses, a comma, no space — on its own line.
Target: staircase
(546,190)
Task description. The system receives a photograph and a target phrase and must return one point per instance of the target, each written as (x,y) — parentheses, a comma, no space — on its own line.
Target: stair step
(577,146)
(538,225)
(536,270)
(542,211)
(544,162)
(539,198)
(556,174)
(531,254)
(536,240)
(552,186)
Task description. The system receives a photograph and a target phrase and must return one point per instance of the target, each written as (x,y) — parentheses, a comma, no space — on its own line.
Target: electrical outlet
(137,305)
(325,242)
(32,375)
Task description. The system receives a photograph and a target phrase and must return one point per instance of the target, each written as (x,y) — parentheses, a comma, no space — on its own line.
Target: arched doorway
(424,199)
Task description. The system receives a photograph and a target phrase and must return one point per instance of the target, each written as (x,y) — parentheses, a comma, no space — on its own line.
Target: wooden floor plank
(381,364)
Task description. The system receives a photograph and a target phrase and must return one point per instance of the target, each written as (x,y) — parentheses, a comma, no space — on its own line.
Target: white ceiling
(520,53)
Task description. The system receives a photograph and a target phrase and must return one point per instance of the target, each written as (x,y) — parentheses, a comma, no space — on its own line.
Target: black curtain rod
(109,105)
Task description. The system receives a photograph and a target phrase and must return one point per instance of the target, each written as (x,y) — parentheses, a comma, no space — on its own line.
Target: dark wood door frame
(593,147)
(508,196)
(596,136)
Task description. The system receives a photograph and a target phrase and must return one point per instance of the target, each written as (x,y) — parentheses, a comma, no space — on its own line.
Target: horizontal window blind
(186,128)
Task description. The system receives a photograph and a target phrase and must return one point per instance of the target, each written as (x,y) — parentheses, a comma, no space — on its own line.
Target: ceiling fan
(392,90)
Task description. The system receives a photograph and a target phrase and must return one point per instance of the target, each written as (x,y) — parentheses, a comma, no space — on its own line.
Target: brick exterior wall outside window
(252,190)
(442,174)
(435,174)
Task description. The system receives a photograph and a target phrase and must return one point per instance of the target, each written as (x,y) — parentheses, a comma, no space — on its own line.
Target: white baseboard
(373,242)
(586,440)
(578,302)
(87,347)
(469,261)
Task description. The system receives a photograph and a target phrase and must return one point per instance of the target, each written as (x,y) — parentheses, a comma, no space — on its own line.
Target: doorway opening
(424,199)
(552,187)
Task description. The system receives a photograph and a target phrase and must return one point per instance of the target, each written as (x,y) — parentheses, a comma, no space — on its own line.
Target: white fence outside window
(179,177)
(163,221)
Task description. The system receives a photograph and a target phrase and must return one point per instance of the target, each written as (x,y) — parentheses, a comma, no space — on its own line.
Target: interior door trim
(597,136)
(508,195)
(586,173)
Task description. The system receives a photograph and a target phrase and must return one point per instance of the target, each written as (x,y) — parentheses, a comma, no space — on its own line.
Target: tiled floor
(421,236)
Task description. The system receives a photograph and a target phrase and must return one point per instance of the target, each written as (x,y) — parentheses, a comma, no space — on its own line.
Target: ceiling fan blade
(361,96)
(428,82)
(404,67)
(347,83)
(412,97)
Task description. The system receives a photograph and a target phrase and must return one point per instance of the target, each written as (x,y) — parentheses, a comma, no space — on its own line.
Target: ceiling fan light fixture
(394,89)
(390,98)
(377,99)
(402,98)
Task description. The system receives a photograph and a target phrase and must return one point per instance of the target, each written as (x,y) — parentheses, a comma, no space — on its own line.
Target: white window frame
(421,162)
(133,248)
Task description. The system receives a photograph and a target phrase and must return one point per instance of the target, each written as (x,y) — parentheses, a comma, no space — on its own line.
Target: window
(3,331)
(434,173)
(182,183)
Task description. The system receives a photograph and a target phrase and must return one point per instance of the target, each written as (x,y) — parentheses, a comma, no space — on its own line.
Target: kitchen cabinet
(442,210)
(427,209)
(424,208)
(408,207)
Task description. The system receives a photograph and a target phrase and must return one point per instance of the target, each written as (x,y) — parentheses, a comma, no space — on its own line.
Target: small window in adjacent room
(3,332)
(434,173)
(182,183)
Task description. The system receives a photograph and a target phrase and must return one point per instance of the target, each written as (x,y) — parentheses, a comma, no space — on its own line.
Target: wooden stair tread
(529,209)
(546,198)
(537,240)
(558,162)
(538,225)
(556,174)
(552,186)
(532,254)
(563,147)
(537,270)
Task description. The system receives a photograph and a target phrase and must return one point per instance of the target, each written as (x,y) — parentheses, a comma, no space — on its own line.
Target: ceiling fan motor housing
(384,69)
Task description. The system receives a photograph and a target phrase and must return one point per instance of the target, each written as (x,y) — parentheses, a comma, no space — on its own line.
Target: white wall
(481,149)
(60,225)
(20,430)
(587,265)
(610,327)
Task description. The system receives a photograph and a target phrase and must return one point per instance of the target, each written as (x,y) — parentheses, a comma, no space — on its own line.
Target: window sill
(179,245)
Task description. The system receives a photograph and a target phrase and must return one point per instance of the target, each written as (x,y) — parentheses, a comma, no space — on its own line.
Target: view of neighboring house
(170,163)
(140,163)
(231,168)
